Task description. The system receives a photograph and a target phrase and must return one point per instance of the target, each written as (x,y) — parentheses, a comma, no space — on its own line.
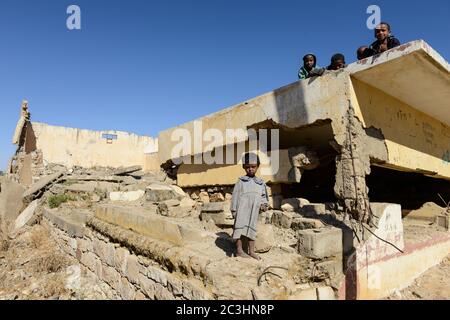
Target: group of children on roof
(385,41)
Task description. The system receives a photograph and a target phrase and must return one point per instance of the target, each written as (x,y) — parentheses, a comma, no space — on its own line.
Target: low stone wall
(130,275)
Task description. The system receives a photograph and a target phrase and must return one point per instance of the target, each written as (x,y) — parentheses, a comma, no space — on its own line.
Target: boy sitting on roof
(309,68)
(337,62)
(364,52)
(385,40)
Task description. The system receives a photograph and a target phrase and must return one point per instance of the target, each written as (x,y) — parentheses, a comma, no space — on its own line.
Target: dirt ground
(33,268)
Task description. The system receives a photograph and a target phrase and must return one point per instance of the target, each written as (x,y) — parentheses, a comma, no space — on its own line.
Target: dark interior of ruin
(409,189)
(315,185)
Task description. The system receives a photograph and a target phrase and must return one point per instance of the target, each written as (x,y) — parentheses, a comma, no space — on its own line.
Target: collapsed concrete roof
(403,93)
(390,110)
(413,73)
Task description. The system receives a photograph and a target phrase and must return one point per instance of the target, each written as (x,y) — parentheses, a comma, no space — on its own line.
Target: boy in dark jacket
(337,62)
(385,40)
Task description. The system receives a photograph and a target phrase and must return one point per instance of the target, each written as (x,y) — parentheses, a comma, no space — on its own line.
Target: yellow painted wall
(209,175)
(414,140)
(77,147)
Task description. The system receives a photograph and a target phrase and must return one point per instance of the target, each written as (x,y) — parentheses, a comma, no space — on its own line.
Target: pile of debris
(301,252)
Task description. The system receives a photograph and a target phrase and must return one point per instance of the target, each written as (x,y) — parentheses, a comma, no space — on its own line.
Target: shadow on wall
(22,161)
(30,138)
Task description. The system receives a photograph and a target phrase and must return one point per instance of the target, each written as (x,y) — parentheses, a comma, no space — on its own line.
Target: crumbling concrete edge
(170,257)
(125,266)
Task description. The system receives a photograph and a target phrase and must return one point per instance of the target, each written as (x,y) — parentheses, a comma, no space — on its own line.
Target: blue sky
(145,66)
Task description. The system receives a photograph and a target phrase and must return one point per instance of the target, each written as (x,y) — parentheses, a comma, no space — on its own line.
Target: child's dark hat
(250,158)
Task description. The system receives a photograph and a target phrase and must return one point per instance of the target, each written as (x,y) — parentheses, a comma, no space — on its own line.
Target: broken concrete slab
(152,177)
(141,222)
(142,185)
(330,268)
(204,197)
(148,223)
(221,219)
(320,243)
(72,222)
(80,187)
(217,197)
(171,203)
(180,193)
(124,171)
(194,196)
(42,183)
(269,216)
(187,202)
(219,212)
(302,202)
(25,216)
(306,223)
(283,219)
(214,207)
(159,192)
(137,175)
(172,208)
(265,238)
(313,209)
(174,211)
(103,186)
(126,196)
(127,180)
(101,178)
(295,205)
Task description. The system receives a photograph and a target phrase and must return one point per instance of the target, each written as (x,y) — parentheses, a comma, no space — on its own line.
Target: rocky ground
(33,268)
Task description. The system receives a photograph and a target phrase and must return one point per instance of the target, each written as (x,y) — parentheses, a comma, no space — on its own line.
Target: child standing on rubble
(248,200)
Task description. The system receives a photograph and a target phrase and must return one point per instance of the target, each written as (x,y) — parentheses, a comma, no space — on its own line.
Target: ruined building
(365,145)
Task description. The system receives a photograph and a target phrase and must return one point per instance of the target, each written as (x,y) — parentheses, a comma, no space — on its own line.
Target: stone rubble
(143,237)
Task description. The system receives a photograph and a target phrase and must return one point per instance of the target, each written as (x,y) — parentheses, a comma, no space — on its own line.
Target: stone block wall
(131,276)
